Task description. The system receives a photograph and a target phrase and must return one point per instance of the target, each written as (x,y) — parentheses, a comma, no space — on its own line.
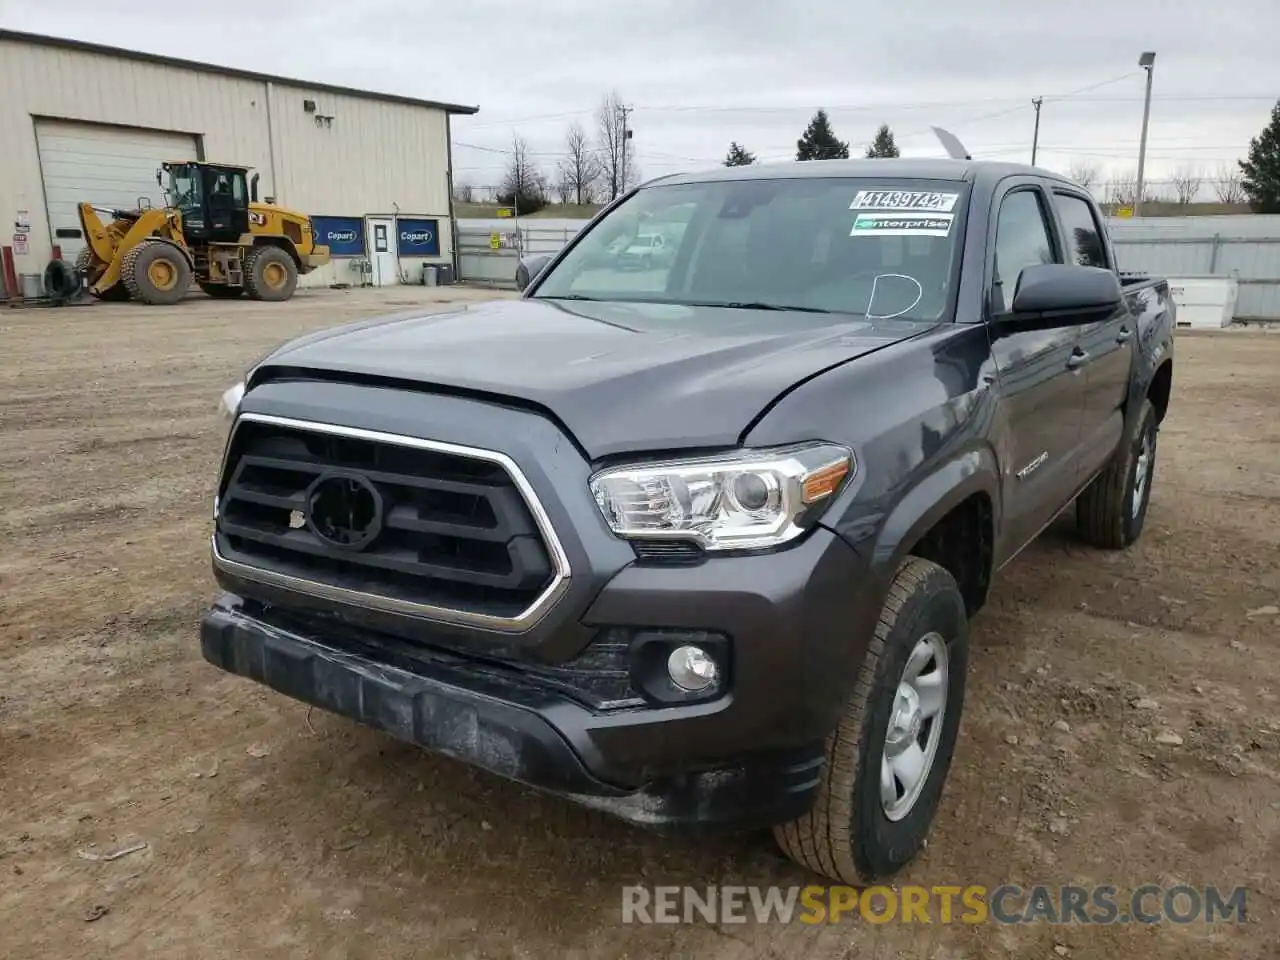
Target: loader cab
(212,198)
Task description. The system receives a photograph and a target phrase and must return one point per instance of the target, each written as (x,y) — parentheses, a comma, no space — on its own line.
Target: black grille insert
(455,531)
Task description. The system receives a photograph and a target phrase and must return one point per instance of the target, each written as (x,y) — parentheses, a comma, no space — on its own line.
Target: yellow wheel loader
(213,231)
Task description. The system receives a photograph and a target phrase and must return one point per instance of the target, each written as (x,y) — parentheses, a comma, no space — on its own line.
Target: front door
(382,251)
(1107,344)
(1039,379)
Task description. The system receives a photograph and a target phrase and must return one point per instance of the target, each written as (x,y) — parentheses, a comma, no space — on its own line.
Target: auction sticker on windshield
(904,200)
(902,224)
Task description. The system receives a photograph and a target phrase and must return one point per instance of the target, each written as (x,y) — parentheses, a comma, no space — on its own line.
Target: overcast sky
(700,73)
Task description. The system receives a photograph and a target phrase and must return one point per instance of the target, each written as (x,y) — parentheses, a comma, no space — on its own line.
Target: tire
(220,291)
(83,259)
(62,281)
(849,835)
(156,272)
(1112,510)
(270,274)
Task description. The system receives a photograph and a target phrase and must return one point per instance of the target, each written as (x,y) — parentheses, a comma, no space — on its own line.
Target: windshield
(877,247)
(184,186)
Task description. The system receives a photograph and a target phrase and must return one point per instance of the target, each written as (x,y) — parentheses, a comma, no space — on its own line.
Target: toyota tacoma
(698,544)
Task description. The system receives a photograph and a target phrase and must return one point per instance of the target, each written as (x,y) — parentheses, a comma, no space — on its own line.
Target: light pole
(1148,62)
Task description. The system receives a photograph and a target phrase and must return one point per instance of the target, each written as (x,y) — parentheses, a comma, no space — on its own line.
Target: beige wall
(375,157)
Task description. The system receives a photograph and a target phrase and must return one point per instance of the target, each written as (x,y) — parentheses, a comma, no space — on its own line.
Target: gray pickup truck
(697,544)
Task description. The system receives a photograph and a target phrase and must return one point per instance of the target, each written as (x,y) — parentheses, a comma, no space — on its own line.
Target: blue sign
(418,238)
(344,236)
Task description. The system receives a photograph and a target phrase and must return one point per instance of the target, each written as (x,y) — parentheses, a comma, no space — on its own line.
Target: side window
(1022,240)
(1082,234)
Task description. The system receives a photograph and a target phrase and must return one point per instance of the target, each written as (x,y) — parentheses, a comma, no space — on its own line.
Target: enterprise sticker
(904,200)
(902,224)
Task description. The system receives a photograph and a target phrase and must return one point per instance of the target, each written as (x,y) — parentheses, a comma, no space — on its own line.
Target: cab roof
(884,168)
(208,163)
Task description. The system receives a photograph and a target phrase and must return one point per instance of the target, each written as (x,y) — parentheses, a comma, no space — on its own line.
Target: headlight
(753,499)
(229,405)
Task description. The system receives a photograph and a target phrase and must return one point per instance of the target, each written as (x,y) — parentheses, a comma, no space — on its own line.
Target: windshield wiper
(572,296)
(752,305)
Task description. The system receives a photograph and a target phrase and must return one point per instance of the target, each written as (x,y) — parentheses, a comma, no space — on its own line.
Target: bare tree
(1083,173)
(1228,185)
(580,170)
(616,153)
(523,184)
(464,192)
(1186,183)
(1122,189)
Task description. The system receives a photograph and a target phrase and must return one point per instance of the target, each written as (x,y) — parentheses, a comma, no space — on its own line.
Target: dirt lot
(273,834)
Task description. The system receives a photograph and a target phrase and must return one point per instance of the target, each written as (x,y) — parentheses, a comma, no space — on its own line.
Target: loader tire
(156,272)
(270,274)
(220,291)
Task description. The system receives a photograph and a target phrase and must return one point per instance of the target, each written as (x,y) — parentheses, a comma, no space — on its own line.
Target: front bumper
(502,724)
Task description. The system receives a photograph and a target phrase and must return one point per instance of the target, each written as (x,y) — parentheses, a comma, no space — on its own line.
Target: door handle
(1077,359)
(1124,335)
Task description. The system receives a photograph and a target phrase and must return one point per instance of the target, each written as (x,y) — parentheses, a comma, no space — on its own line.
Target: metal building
(89,122)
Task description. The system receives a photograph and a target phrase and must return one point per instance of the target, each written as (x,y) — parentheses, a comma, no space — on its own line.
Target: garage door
(108,166)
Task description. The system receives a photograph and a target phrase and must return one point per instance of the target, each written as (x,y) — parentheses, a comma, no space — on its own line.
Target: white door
(382,251)
(109,167)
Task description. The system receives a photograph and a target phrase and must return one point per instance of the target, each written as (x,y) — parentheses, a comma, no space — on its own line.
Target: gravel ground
(1123,721)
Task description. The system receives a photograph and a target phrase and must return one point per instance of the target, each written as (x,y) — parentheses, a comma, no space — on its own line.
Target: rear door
(1041,384)
(1107,344)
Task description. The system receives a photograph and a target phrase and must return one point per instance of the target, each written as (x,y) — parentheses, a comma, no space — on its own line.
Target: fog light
(692,669)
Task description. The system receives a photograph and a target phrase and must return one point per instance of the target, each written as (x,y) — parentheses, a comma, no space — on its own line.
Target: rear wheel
(156,272)
(270,274)
(1112,510)
(888,758)
(220,291)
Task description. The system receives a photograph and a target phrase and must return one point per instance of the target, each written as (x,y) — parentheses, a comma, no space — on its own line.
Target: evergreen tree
(1261,171)
(739,156)
(883,145)
(819,141)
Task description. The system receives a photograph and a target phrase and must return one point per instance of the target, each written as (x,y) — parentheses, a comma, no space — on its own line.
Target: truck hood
(621,377)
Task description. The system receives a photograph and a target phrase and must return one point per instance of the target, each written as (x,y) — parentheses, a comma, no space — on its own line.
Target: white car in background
(645,252)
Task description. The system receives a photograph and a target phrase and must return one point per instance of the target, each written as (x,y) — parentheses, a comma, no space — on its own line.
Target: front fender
(931,498)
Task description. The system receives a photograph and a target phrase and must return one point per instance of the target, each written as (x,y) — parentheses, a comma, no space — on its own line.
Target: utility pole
(1035,137)
(626,142)
(1148,62)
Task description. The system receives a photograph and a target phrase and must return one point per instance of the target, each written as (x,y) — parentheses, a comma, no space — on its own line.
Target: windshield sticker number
(902,225)
(924,200)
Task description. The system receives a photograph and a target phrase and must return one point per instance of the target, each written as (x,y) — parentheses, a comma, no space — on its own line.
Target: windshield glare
(877,247)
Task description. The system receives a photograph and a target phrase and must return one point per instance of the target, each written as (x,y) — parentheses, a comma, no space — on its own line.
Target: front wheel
(1112,510)
(888,758)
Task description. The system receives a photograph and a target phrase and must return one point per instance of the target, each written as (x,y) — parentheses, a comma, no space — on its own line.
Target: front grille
(455,530)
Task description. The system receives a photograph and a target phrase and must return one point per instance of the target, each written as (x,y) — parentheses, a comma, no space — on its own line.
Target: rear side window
(1022,240)
(1083,235)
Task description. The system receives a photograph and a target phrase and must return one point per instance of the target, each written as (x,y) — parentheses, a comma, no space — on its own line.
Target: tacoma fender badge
(1033,466)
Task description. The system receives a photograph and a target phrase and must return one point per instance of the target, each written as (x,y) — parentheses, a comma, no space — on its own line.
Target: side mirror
(529,269)
(160,176)
(1061,294)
